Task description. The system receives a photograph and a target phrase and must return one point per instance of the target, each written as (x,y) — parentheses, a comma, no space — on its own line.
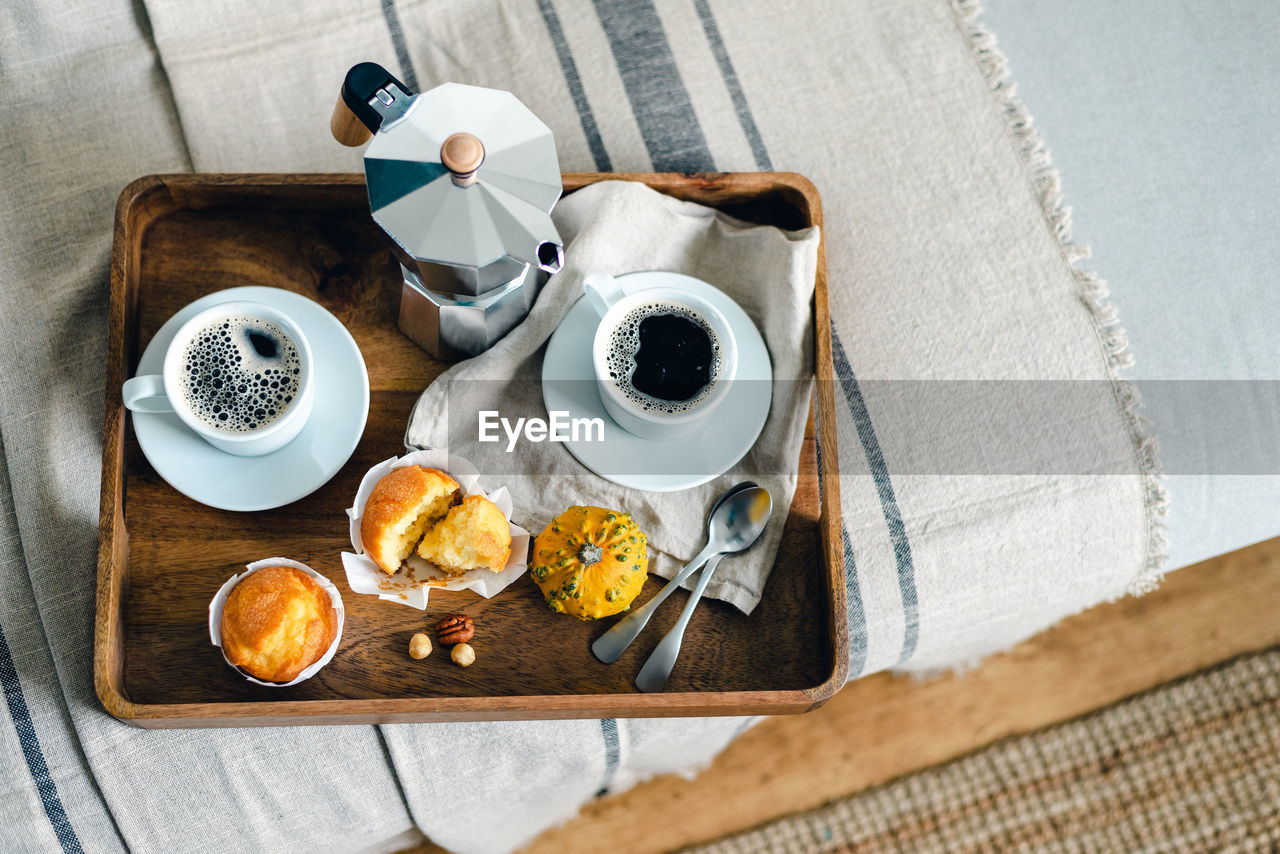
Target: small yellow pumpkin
(590,562)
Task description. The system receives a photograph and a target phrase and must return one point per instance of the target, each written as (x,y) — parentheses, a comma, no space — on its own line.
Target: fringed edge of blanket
(1092,289)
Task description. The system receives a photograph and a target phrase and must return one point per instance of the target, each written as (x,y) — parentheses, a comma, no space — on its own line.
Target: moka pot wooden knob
(462,154)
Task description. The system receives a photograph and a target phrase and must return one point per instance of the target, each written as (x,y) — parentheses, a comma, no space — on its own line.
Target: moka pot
(463,180)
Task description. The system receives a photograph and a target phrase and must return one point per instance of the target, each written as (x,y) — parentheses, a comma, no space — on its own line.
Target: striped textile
(946,260)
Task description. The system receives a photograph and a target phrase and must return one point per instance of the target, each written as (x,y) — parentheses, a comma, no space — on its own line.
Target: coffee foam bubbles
(624,343)
(240,373)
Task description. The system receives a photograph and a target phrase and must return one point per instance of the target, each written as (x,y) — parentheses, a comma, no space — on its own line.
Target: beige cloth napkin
(625,227)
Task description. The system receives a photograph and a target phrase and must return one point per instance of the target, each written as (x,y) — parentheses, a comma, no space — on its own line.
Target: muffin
(277,622)
(474,535)
(404,504)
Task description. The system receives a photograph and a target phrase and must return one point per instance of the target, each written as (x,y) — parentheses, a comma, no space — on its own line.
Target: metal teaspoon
(756,506)
(611,644)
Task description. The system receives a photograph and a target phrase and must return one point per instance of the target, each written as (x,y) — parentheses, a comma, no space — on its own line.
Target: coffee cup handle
(602,291)
(146,394)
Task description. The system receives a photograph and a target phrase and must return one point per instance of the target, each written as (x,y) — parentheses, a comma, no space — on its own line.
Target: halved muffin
(475,535)
(402,505)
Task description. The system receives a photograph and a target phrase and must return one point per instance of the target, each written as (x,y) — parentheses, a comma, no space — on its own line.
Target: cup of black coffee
(238,374)
(663,357)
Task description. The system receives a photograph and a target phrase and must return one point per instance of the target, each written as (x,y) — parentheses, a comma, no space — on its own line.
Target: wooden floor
(881,727)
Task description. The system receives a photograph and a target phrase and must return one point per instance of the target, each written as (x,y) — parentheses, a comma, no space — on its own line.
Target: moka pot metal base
(454,328)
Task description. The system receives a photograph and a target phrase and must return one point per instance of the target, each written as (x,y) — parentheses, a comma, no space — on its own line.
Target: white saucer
(568,384)
(202,472)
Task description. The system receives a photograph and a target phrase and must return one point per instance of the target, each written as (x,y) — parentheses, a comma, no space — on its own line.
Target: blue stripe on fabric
(745,120)
(856,614)
(857,617)
(743,727)
(612,753)
(398,44)
(31,751)
(888,501)
(657,94)
(569,69)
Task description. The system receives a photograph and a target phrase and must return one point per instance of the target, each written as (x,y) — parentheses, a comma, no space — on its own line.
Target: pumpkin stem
(589,554)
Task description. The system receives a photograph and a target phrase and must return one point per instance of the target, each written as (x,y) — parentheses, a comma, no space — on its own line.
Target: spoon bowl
(739,520)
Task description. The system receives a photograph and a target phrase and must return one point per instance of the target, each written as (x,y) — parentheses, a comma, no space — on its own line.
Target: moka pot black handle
(354,119)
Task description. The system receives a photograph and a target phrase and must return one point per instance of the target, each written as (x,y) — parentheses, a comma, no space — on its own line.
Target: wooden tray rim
(159,194)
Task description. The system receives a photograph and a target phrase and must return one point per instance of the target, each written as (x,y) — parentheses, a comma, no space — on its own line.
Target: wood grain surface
(882,727)
(163,556)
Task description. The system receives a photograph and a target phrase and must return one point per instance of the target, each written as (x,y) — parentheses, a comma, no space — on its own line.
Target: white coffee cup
(652,422)
(159,393)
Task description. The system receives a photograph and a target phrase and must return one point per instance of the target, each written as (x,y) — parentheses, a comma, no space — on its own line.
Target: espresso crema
(240,373)
(664,357)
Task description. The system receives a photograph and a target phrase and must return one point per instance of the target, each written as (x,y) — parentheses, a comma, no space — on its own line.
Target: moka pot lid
(466,177)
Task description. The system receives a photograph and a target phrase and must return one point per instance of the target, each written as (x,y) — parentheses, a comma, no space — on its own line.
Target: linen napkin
(624,227)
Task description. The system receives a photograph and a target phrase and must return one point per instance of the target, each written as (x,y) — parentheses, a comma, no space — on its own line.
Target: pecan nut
(455,629)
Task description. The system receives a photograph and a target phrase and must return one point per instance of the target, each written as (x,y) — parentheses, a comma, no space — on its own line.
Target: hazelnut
(463,655)
(419,646)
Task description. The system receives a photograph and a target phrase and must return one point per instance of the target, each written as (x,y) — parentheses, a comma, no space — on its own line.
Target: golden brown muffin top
(398,502)
(277,622)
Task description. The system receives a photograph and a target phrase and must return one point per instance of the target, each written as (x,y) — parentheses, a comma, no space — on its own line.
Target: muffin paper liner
(412,583)
(220,601)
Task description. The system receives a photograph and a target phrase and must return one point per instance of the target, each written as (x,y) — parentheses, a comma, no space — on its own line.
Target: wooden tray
(162,556)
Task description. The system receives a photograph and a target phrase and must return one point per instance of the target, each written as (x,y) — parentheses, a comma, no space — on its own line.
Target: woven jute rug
(1193,765)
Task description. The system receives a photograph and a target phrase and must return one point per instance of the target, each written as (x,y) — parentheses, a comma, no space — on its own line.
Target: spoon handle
(657,669)
(611,644)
